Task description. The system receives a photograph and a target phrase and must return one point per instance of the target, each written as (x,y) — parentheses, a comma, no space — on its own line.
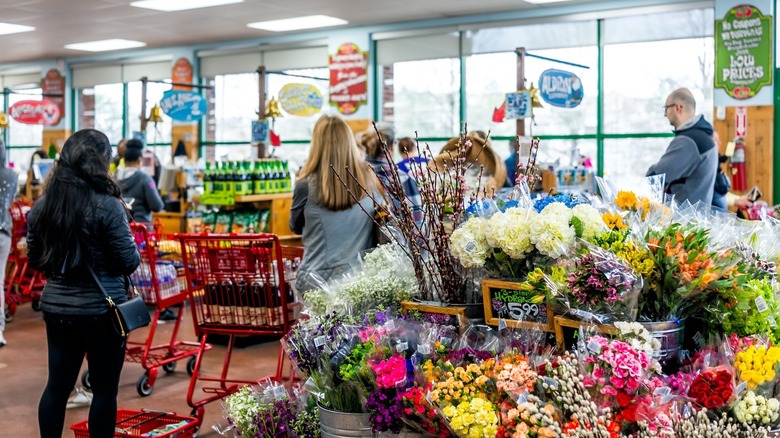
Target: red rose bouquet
(712,388)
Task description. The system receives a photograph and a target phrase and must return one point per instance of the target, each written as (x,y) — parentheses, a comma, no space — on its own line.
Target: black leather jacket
(110,249)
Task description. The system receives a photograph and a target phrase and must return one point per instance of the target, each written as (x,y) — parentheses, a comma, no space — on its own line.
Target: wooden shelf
(259,198)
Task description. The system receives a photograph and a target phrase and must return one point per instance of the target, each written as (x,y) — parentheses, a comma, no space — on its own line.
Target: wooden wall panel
(758,146)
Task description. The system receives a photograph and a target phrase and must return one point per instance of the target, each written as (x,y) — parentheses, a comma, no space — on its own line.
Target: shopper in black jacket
(81,222)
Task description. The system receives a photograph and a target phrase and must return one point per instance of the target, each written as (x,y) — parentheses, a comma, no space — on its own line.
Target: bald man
(691,160)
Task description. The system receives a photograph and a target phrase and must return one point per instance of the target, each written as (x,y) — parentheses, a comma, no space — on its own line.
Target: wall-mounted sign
(181,73)
(260,130)
(300,99)
(35,112)
(53,88)
(560,88)
(743,52)
(185,106)
(348,78)
(518,105)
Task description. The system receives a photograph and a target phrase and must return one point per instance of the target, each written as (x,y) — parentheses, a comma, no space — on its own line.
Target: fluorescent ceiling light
(541,2)
(105,45)
(8,28)
(181,5)
(298,23)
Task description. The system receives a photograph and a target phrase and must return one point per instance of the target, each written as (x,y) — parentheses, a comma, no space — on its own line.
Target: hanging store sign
(348,78)
(560,88)
(181,73)
(518,105)
(186,106)
(53,88)
(743,52)
(35,112)
(300,99)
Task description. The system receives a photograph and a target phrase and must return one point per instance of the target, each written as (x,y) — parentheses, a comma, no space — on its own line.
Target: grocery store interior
(227,93)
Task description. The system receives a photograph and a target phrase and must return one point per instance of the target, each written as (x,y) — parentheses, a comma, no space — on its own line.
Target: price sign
(517,305)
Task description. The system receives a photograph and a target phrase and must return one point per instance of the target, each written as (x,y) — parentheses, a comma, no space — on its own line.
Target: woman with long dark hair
(81,223)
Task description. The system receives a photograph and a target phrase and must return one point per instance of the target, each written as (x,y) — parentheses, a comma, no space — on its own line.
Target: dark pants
(69,339)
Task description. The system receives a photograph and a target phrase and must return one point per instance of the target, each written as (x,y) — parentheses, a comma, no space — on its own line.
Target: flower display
(528,419)
(469,244)
(420,413)
(590,221)
(757,409)
(474,418)
(712,388)
(551,232)
(757,365)
(510,231)
(390,373)
(752,311)
(614,221)
(386,409)
(615,366)
(511,373)
(269,413)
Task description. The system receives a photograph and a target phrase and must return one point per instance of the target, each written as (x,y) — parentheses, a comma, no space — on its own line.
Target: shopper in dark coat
(81,222)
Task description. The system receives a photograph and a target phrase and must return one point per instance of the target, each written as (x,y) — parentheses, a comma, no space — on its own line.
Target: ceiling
(60,22)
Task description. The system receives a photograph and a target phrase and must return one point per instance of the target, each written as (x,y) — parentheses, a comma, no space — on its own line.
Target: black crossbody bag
(128,316)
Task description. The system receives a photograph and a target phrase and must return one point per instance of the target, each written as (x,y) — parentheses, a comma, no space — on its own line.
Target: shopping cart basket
(156,280)
(23,284)
(239,287)
(146,423)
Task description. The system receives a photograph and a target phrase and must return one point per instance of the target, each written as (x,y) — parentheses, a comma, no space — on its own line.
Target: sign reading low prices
(185,106)
(560,88)
(743,47)
(348,78)
(35,112)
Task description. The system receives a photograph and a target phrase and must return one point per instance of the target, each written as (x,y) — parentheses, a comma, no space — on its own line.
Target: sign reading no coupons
(743,52)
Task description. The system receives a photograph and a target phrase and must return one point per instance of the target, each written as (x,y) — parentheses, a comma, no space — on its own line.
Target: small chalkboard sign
(519,307)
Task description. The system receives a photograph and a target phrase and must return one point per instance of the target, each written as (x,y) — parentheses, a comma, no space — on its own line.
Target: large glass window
(426,97)
(234,107)
(490,76)
(21,134)
(626,160)
(160,134)
(100,107)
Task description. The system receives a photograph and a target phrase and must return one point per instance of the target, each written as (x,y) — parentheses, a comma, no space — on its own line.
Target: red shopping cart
(239,286)
(23,284)
(146,423)
(156,280)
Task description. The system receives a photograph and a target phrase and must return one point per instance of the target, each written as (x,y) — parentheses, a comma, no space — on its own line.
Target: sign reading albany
(743,60)
(348,78)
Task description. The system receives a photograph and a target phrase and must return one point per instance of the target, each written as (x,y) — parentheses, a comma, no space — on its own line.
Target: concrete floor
(23,372)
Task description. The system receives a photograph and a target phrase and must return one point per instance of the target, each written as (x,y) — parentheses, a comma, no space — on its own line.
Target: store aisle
(23,373)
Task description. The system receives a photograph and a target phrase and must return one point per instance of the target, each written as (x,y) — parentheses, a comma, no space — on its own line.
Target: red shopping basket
(140,424)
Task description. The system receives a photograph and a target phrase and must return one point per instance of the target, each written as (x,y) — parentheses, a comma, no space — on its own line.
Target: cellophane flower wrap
(757,366)
(268,412)
(713,386)
(604,286)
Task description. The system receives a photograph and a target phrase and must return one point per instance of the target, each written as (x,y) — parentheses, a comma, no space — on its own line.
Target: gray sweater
(690,162)
(332,239)
(140,194)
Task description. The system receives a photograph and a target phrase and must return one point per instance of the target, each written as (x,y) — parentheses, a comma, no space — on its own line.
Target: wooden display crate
(456,314)
(562,323)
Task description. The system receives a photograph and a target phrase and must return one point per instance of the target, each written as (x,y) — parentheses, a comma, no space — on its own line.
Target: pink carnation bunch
(617,366)
(389,373)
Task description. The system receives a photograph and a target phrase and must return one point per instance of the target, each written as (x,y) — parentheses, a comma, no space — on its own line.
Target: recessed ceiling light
(8,28)
(181,5)
(541,2)
(105,45)
(298,23)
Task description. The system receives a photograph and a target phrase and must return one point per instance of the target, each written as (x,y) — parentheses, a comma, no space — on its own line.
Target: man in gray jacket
(691,160)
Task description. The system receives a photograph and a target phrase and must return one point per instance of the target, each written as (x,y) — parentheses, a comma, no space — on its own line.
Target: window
(627,160)
(426,98)
(490,76)
(160,134)
(100,107)
(20,134)
(299,127)
(234,107)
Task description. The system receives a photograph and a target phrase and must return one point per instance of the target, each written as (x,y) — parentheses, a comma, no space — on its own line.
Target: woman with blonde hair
(324,210)
(486,162)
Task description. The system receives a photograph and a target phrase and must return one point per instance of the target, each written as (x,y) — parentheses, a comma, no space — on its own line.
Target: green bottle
(277,172)
(256,178)
(218,185)
(263,181)
(246,178)
(208,182)
(286,181)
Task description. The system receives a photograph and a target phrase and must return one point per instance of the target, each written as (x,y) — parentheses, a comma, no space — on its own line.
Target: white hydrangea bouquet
(512,242)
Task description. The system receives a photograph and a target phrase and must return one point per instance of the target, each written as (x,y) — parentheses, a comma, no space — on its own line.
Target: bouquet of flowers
(751,311)
(268,412)
(757,366)
(757,409)
(604,285)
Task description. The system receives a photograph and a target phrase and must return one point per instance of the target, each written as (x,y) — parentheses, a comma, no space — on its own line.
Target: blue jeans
(5,248)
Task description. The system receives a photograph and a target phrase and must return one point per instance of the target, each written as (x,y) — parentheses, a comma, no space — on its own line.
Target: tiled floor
(23,375)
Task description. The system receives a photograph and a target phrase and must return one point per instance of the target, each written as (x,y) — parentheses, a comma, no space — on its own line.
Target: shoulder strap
(100,286)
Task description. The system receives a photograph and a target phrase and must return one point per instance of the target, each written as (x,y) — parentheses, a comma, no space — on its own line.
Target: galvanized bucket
(335,424)
(670,334)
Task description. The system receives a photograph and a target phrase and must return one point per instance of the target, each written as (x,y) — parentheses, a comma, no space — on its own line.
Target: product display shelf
(279,220)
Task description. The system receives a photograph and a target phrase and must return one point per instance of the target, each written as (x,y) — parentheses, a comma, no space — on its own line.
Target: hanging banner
(560,88)
(348,78)
(743,56)
(53,88)
(35,112)
(300,99)
(181,73)
(186,106)
(518,105)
